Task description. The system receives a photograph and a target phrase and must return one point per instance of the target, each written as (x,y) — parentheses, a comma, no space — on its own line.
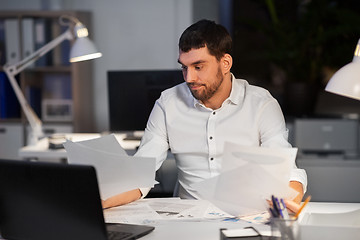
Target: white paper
(135,213)
(107,144)
(116,171)
(151,210)
(249,176)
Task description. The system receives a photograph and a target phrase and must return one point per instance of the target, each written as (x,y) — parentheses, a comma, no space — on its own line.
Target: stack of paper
(249,176)
(116,171)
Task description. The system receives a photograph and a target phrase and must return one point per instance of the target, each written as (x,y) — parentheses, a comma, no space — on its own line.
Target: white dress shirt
(196,134)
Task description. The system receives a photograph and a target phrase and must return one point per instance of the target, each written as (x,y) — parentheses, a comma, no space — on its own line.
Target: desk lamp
(82,49)
(346,81)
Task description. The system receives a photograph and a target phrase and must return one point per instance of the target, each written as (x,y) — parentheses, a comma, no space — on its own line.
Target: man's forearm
(122,198)
(297,186)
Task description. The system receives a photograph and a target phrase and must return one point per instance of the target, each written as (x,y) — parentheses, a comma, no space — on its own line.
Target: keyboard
(112,235)
(132,138)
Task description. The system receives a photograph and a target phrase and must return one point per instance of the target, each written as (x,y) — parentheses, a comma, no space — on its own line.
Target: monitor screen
(132,95)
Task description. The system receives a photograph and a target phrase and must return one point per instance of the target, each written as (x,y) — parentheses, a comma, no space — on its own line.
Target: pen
(273,213)
(275,206)
(302,206)
(284,210)
(279,207)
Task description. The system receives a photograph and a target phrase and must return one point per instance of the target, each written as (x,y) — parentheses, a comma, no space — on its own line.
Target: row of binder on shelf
(34,33)
(55,86)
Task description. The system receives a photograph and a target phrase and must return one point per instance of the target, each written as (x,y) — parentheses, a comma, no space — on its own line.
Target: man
(195,118)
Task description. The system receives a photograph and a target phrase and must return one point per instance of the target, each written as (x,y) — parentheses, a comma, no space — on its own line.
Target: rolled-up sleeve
(273,133)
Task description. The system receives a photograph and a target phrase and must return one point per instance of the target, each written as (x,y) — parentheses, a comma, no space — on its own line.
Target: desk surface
(41,148)
(210,229)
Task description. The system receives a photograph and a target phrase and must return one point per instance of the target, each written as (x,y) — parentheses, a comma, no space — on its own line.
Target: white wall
(131,34)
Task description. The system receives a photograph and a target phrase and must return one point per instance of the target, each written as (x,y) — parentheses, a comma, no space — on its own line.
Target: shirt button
(214,113)
(211,137)
(211,159)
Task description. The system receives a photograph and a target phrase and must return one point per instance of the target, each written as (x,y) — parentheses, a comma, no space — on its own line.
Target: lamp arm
(12,70)
(34,121)
(23,64)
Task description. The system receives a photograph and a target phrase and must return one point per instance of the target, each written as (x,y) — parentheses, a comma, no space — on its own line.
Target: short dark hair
(206,33)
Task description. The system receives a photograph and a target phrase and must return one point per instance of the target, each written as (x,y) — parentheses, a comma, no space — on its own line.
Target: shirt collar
(236,96)
(237,91)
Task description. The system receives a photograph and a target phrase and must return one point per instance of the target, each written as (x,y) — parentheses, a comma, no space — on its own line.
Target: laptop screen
(50,201)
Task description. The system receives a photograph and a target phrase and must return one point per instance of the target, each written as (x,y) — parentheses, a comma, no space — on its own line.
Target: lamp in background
(346,81)
(82,49)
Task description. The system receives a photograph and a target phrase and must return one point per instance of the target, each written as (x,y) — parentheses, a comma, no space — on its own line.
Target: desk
(41,150)
(209,229)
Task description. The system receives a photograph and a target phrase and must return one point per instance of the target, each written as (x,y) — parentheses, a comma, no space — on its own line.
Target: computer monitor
(132,95)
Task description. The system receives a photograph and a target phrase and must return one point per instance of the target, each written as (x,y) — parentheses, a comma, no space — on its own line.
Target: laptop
(42,201)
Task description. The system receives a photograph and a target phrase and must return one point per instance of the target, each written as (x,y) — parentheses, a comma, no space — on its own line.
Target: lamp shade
(346,81)
(83,49)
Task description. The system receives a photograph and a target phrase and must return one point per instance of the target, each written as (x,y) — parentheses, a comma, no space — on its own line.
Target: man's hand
(293,205)
(121,199)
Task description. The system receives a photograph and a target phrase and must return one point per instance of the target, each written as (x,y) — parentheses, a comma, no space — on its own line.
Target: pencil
(302,206)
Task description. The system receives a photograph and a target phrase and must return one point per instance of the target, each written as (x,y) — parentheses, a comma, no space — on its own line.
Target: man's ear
(226,63)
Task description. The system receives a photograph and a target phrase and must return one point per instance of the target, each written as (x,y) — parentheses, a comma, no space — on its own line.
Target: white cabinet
(12,137)
(11,140)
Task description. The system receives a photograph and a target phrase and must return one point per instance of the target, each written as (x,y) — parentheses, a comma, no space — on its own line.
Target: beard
(208,91)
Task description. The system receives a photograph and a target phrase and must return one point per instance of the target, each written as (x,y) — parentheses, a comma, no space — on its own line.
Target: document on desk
(116,171)
(151,210)
(249,176)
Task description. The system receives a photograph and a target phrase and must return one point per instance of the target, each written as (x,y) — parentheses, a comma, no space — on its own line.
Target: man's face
(202,73)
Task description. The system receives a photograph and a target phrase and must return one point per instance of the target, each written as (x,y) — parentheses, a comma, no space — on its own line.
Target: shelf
(50,69)
(35,81)
(10,120)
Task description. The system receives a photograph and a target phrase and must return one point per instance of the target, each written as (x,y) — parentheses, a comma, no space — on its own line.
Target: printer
(327,136)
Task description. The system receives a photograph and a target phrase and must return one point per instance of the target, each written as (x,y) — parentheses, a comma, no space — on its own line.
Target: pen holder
(284,229)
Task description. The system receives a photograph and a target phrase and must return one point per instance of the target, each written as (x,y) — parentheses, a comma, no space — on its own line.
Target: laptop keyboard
(112,235)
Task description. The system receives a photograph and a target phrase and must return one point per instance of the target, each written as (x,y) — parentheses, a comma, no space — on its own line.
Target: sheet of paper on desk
(249,176)
(151,210)
(116,171)
(135,213)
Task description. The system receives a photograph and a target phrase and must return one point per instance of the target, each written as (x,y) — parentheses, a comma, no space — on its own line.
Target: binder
(61,53)
(56,52)
(34,96)
(9,104)
(42,37)
(28,38)
(57,86)
(2,43)
(12,41)
(65,49)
